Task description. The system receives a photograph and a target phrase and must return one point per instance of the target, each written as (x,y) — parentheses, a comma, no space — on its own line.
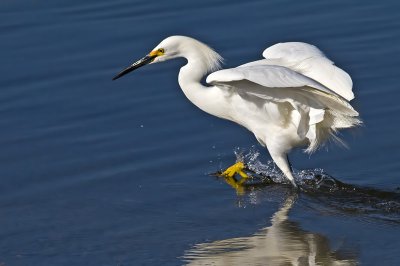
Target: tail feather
(327,129)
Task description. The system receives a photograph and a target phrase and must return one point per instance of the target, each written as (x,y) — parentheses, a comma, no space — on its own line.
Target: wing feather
(298,74)
(311,62)
(280,84)
(320,111)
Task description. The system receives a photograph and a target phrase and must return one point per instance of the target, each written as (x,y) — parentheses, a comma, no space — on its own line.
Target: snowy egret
(294,97)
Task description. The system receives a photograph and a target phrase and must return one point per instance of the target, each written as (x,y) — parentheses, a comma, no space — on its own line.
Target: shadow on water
(282,243)
(336,196)
(322,190)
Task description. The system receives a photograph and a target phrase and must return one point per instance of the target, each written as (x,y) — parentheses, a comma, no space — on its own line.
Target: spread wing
(280,84)
(309,61)
(318,107)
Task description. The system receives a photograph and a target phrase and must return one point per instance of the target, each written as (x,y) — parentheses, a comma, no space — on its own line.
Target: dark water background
(95,172)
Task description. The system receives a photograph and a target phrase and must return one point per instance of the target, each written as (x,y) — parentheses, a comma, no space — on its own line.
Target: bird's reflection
(282,243)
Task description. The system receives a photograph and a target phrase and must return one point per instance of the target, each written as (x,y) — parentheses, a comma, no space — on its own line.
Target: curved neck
(206,98)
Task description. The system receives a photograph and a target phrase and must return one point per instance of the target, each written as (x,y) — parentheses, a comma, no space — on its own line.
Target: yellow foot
(237,168)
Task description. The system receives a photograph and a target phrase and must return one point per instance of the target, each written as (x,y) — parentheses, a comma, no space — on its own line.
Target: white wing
(320,110)
(308,60)
(280,84)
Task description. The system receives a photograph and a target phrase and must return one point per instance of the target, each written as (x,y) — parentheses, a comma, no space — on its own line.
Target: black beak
(144,61)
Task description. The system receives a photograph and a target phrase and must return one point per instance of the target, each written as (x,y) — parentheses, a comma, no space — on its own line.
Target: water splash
(267,173)
(319,187)
(270,173)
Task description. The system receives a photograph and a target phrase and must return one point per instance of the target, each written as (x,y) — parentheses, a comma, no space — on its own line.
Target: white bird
(294,97)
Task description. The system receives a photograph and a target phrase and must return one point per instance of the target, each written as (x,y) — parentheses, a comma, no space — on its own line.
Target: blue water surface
(101,172)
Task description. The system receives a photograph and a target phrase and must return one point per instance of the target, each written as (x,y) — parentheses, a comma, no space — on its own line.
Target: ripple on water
(319,187)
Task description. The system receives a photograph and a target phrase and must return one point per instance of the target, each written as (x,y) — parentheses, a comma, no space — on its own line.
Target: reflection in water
(282,243)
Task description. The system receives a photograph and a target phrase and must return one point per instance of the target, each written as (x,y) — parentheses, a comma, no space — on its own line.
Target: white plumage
(308,60)
(295,97)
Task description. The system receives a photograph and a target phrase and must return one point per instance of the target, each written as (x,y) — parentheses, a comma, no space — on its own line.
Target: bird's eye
(161,50)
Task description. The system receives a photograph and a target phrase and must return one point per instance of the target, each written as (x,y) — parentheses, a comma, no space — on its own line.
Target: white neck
(208,99)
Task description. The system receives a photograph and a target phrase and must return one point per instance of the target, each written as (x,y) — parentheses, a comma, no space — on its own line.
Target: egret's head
(178,46)
(167,49)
